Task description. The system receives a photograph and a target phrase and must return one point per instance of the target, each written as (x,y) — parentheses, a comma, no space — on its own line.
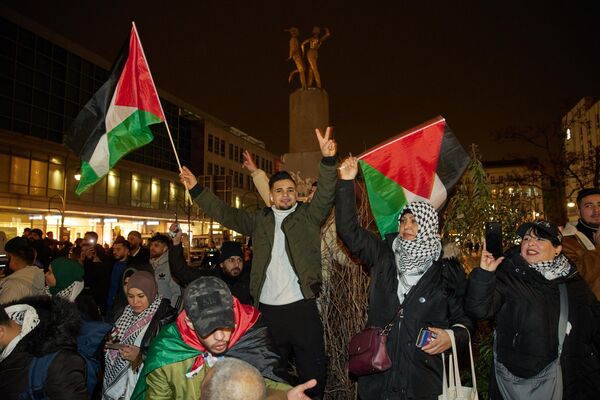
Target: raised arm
(323,199)
(483,297)
(362,243)
(259,178)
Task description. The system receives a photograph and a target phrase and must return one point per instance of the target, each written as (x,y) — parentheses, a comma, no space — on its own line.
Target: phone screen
(493,238)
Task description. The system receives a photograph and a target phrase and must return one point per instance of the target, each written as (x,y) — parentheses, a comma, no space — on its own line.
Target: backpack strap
(564,316)
(38,372)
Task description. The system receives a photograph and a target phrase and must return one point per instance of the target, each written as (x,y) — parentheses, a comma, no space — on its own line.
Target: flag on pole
(423,163)
(115,121)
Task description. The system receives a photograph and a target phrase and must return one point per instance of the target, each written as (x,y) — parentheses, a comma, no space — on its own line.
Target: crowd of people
(136,321)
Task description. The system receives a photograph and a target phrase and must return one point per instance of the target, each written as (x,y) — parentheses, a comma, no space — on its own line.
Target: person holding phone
(521,291)
(145,315)
(409,278)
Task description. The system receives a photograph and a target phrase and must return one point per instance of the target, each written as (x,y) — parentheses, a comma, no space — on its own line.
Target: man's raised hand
(249,162)
(326,143)
(187,178)
(349,168)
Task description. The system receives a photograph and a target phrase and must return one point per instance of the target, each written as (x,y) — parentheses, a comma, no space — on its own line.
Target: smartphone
(425,336)
(174,233)
(114,346)
(493,238)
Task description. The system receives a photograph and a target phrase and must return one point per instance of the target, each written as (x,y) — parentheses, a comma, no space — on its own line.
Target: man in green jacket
(213,326)
(286,268)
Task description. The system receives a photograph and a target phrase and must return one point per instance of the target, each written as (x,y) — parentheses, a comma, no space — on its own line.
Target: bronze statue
(312,54)
(296,56)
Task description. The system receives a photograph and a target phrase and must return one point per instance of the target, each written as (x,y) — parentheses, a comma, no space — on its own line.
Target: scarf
(414,257)
(70,293)
(27,317)
(126,331)
(245,316)
(554,269)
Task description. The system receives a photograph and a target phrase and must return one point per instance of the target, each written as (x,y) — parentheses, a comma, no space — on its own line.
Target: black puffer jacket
(526,307)
(436,300)
(57,331)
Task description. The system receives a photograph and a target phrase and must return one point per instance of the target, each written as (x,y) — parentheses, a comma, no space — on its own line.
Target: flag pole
(188,197)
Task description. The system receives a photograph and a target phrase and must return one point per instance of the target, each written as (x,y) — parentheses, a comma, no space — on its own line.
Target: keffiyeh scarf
(414,257)
(27,317)
(126,330)
(557,268)
(71,292)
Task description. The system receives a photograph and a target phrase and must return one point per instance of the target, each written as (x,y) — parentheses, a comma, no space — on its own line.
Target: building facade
(582,144)
(45,81)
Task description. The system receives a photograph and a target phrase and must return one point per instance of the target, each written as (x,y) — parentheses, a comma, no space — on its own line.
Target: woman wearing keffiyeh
(522,292)
(146,313)
(413,286)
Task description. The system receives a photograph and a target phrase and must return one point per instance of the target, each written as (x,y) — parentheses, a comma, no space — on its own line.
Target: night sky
(389,65)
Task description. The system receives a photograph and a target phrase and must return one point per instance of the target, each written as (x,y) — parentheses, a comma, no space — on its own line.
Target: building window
(38,178)
(230,155)
(222,148)
(222,170)
(19,175)
(210,143)
(113,187)
(209,169)
(155,193)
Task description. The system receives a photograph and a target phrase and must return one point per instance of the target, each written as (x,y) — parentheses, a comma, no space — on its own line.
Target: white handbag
(452,389)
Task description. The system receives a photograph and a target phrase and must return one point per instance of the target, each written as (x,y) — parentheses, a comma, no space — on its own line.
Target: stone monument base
(305,163)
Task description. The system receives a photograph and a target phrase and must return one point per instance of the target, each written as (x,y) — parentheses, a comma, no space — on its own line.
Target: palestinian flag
(423,163)
(116,119)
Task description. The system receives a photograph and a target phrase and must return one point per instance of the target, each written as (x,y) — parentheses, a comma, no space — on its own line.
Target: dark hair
(37,232)
(159,237)
(4,318)
(135,233)
(27,254)
(122,241)
(280,176)
(544,235)
(92,233)
(586,192)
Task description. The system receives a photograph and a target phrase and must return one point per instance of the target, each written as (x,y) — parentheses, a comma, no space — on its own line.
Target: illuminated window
(113,187)
(19,175)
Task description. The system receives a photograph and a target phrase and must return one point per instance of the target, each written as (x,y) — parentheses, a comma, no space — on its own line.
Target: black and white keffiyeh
(126,330)
(557,268)
(71,292)
(27,317)
(414,257)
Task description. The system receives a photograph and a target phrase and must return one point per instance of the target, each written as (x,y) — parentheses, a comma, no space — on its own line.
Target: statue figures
(296,55)
(314,43)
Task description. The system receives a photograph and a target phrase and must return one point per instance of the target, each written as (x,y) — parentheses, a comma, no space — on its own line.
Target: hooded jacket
(28,281)
(57,331)
(526,307)
(584,254)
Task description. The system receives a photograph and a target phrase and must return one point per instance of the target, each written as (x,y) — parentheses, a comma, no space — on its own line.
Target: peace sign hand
(328,146)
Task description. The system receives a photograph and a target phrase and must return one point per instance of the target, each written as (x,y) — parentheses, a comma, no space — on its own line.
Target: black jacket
(239,286)
(526,307)
(57,331)
(436,300)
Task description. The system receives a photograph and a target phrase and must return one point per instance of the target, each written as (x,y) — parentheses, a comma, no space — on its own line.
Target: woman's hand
(297,393)
(438,345)
(249,162)
(129,352)
(349,168)
(187,178)
(488,262)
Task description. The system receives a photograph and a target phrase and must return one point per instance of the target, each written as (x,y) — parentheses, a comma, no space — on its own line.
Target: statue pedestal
(309,109)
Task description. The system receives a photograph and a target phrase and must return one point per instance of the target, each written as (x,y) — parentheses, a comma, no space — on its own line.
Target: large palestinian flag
(423,163)
(116,119)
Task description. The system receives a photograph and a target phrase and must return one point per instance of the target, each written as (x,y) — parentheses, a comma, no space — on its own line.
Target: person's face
(137,300)
(34,236)
(216,343)
(233,266)
(50,235)
(283,194)
(134,241)
(535,249)
(589,209)
(408,227)
(50,278)
(157,249)
(120,251)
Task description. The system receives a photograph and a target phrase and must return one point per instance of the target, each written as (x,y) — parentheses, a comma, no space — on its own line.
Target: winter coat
(28,281)
(57,331)
(435,301)
(526,307)
(584,254)
(239,286)
(302,229)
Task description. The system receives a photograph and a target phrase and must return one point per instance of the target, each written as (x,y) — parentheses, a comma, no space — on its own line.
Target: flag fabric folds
(423,163)
(115,121)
